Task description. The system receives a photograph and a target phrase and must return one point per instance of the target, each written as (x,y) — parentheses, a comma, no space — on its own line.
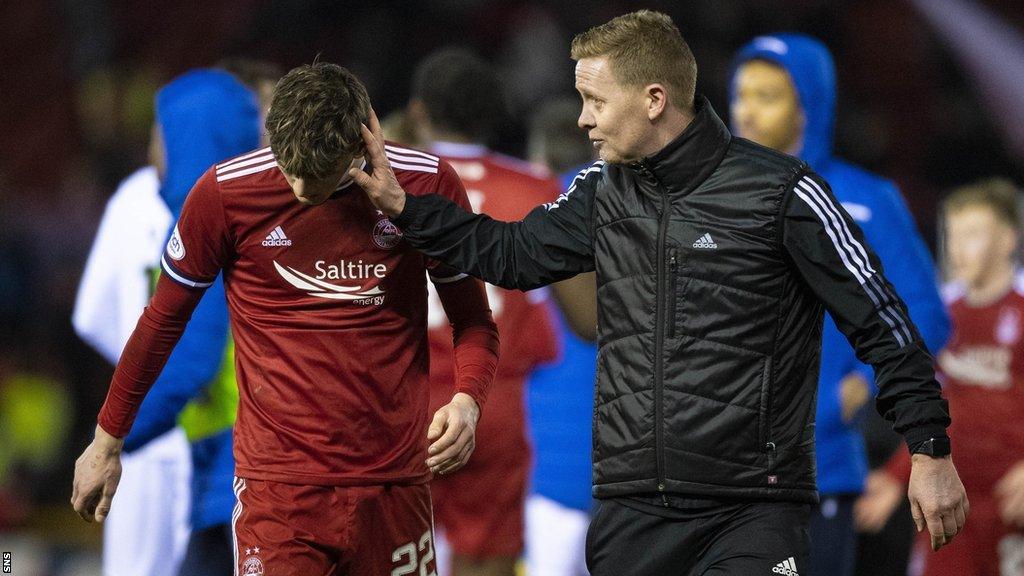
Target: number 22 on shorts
(410,558)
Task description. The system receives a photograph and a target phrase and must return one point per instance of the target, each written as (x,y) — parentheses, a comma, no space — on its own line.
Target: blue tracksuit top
(205,116)
(878,208)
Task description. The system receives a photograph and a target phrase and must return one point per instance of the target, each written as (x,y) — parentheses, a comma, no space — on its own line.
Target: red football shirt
(329,315)
(506,189)
(982,372)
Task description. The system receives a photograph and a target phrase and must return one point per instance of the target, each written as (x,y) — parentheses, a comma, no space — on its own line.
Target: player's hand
(97,472)
(381,186)
(1009,492)
(882,495)
(937,498)
(453,434)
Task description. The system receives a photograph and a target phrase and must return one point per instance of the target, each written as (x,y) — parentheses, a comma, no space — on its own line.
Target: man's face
(977,242)
(614,116)
(314,191)
(766,107)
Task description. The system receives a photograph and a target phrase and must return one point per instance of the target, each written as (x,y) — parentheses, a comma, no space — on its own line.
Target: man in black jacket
(715,259)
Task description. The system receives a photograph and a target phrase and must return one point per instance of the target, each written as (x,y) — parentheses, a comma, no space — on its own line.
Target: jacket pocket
(673,292)
(764,422)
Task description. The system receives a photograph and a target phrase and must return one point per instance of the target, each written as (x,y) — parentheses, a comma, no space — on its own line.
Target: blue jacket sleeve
(909,267)
(192,366)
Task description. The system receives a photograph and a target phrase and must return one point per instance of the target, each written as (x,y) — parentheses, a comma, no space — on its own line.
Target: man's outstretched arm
(552,243)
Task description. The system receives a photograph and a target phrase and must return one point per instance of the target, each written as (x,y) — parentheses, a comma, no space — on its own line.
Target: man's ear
(657,101)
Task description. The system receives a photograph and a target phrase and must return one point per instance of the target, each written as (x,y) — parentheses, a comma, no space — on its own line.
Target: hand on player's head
(380,185)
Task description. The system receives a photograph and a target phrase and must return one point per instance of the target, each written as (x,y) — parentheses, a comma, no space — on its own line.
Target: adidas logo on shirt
(787,568)
(277,238)
(705,241)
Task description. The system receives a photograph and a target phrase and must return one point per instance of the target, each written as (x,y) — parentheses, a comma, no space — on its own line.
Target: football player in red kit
(329,314)
(982,371)
(480,511)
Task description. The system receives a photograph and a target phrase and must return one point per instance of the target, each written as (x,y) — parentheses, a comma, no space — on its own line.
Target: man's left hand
(938,500)
(453,433)
(1009,492)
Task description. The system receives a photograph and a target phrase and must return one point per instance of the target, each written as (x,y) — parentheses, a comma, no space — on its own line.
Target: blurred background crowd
(929,97)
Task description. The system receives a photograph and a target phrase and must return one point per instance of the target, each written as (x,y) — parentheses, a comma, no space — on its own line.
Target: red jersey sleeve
(200,244)
(474,335)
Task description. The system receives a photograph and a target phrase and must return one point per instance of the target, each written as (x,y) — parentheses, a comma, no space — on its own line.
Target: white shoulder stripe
(851,253)
(414,167)
(409,159)
(595,167)
(447,279)
(179,278)
(247,171)
(251,161)
(244,157)
(411,152)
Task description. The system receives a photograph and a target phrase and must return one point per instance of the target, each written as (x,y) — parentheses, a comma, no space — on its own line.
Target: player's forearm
(144,356)
(476,360)
(475,336)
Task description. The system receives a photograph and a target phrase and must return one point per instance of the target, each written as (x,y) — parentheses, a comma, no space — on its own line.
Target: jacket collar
(684,163)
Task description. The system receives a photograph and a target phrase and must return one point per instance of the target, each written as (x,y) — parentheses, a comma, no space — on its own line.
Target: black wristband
(935,447)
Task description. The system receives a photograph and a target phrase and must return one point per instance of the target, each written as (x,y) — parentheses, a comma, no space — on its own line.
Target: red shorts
(481,507)
(291,530)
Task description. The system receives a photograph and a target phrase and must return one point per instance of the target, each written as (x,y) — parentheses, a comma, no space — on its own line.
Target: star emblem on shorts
(255,550)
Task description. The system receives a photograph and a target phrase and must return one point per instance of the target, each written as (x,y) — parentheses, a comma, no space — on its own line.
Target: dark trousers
(833,539)
(210,552)
(758,538)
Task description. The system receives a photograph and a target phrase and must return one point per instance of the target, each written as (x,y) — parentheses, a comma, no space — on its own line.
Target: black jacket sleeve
(552,243)
(829,252)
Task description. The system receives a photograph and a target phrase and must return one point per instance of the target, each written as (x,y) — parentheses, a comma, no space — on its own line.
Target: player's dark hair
(461,92)
(997,194)
(314,119)
(643,47)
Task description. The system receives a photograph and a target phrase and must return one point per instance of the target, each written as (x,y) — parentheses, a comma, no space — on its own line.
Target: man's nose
(585,120)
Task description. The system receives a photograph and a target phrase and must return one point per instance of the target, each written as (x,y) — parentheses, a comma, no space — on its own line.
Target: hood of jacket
(810,66)
(204,116)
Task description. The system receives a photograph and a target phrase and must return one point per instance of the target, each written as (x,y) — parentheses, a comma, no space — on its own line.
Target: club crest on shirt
(252,566)
(385,234)
(175,249)
(1008,327)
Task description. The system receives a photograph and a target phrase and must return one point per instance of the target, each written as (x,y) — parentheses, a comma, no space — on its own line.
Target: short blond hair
(643,47)
(999,195)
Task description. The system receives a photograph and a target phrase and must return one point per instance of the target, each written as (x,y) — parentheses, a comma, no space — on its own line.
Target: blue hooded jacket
(205,116)
(878,208)
(560,402)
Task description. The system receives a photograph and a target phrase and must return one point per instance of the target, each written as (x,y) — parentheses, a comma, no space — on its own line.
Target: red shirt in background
(982,374)
(506,189)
